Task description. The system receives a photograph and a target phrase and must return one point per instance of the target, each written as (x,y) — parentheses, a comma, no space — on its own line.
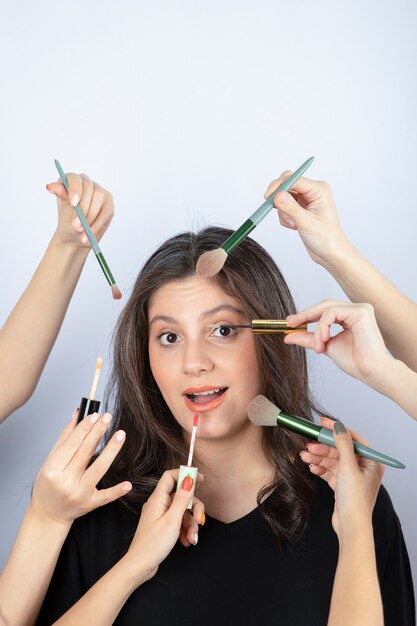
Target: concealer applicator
(262,412)
(93,405)
(211,262)
(189,470)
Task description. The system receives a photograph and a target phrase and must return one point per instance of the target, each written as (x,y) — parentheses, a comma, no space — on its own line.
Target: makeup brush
(264,327)
(262,412)
(93,405)
(189,470)
(117,294)
(210,263)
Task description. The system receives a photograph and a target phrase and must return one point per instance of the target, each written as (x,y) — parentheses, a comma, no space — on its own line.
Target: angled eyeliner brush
(117,294)
(211,262)
(262,412)
(272,327)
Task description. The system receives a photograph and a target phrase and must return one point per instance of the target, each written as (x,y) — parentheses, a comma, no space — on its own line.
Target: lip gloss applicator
(189,470)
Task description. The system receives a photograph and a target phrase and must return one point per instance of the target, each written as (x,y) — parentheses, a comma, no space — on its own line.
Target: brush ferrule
(274,327)
(239,234)
(299,425)
(106,270)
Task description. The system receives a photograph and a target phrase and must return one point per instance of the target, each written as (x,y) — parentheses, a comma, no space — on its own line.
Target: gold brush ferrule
(274,327)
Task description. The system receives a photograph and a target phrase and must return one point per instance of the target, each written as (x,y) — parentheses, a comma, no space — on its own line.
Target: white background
(186,111)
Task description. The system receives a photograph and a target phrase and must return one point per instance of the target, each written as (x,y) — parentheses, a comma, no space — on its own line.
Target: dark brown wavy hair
(154,439)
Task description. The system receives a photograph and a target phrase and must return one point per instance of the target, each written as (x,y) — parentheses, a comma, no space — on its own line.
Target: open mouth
(203,397)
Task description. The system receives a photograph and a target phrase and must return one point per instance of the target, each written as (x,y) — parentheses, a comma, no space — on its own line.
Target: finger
(329,423)
(105,496)
(198,511)
(67,430)
(84,202)
(289,209)
(325,474)
(181,499)
(322,449)
(312,313)
(344,445)
(88,446)
(305,339)
(66,450)
(57,189)
(106,457)
(324,461)
(190,529)
(75,188)
(104,210)
(310,189)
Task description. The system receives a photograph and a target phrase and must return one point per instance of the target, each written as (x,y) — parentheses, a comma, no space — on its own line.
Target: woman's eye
(223,331)
(167,339)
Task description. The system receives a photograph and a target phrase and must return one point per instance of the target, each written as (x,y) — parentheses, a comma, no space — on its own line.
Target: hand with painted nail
(66,486)
(359,348)
(310,209)
(354,480)
(94,200)
(161,522)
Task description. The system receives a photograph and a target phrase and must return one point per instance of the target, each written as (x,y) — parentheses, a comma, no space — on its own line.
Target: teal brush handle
(326,436)
(257,217)
(79,212)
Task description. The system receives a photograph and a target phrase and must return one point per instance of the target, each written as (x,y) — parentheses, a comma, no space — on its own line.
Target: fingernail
(187,483)
(51,191)
(126,488)
(339,428)
(195,539)
(76,223)
(106,418)
(94,418)
(203,518)
(289,223)
(75,200)
(84,239)
(120,435)
(75,414)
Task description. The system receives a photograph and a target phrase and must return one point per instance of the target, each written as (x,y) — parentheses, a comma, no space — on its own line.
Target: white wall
(186,111)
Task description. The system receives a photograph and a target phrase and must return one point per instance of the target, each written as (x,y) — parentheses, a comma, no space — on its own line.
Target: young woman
(267,553)
(29,333)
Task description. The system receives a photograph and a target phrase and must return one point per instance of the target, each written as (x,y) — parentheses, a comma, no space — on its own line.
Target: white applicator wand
(189,470)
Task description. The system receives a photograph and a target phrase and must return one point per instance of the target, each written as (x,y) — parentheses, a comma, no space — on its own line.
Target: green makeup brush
(262,412)
(117,294)
(211,262)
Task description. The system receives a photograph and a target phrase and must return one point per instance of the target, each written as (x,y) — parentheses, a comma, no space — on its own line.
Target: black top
(235,574)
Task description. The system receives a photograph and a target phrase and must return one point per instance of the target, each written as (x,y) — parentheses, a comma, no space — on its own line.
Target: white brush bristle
(262,412)
(210,263)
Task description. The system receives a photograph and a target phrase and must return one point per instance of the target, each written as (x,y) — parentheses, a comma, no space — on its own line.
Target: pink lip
(200,389)
(207,406)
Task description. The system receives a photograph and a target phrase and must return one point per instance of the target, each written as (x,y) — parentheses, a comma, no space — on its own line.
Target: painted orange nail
(203,518)
(187,483)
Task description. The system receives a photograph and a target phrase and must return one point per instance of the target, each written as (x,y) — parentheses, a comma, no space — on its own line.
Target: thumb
(344,444)
(288,207)
(182,497)
(58,189)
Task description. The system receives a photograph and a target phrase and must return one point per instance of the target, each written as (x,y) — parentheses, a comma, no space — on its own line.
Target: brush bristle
(262,412)
(210,263)
(117,294)
(99,363)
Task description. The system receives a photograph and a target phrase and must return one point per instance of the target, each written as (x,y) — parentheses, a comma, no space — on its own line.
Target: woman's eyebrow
(204,315)
(221,307)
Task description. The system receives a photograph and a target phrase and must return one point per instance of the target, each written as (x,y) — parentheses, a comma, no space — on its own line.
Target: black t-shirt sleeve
(393,565)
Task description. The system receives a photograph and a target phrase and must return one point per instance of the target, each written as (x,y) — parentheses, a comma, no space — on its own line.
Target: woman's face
(196,366)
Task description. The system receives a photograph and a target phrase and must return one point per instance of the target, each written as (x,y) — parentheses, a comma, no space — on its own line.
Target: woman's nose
(197,359)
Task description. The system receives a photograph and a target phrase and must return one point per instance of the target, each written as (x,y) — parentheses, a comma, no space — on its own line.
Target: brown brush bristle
(262,412)
(117,294)
(210,263)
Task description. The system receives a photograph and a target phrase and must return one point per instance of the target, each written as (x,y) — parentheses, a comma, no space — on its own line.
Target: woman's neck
(236,469)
